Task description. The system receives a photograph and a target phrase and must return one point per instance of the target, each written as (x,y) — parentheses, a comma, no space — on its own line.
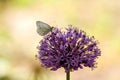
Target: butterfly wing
(43,28)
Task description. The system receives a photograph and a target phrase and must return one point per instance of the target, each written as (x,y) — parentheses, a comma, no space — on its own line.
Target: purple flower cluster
(72,49)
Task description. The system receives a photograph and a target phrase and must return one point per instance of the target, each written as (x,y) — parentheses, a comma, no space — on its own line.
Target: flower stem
(35,76)
(68,75)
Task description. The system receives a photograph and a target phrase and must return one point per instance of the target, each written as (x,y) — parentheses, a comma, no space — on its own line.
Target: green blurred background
(18,37)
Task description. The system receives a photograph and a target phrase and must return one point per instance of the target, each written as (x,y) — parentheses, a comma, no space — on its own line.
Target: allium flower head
(71,50)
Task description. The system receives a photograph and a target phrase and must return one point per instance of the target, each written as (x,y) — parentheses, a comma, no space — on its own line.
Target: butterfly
(43,28)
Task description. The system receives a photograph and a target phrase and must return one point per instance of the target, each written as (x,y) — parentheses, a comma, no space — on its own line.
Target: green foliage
(5,78)
(22,3)
(4,34)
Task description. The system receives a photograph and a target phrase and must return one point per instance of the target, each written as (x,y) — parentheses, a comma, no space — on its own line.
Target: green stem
(68,76)
(35,76)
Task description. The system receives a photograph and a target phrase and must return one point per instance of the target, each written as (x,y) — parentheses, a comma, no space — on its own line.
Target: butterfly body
(43,28)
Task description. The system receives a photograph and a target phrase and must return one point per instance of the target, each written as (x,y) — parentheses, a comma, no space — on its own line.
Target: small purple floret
(72,49)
